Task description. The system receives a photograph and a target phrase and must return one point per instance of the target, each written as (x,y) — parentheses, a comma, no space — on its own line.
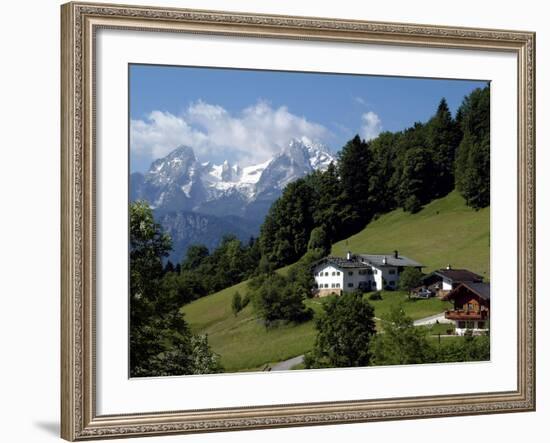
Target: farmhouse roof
(390,260)
(342,262)
(365,260)
(459,275)
(483,290)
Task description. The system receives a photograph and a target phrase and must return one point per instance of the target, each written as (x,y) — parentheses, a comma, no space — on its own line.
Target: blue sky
(247,116)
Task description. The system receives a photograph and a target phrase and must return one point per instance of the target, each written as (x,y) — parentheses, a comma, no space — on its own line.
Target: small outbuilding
(441,281)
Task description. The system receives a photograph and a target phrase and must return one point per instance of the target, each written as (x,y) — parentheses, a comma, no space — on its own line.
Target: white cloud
(251,135)
(371,125)
(360,100)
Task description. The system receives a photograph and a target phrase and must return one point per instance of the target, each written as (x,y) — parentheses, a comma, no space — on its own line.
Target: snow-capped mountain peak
(179,181)
(317,154)
(199,201)
(299,158)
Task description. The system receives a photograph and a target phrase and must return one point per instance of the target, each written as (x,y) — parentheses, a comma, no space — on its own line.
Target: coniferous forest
(405,169)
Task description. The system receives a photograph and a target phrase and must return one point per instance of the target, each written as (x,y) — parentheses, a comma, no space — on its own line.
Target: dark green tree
(409,279)
(330,209)
(318,240)
(401,343)
(355,166)
(196,255)
(472,165)
(160,340)
(345,331)
(231,262)
(383,186)
(473,177)
(474,113)
(416,179)
(285,232)
(443,135)
(186,286)
(471,348)
(276,300)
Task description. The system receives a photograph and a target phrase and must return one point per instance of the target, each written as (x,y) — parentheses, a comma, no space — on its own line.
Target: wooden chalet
(471,307)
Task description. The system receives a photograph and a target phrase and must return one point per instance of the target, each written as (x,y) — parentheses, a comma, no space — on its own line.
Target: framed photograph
(277,221)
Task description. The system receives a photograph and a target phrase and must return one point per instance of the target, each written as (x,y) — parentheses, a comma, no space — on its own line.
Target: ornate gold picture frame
(80,22)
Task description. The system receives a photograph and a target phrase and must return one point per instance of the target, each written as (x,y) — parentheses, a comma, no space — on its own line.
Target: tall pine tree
(285,232)
(472,166)
(355,166)
(416,179)
(443,136)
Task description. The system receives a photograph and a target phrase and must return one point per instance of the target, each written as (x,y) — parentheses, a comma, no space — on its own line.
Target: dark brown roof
(459,275)
(483,290)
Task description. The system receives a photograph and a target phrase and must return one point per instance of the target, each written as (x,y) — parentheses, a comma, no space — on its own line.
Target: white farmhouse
(368,272)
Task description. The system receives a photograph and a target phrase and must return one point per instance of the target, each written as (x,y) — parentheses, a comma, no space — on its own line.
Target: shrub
(375,296)
(277,298)
(236,303)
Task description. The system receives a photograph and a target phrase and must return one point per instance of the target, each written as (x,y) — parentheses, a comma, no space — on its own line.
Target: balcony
(460,314)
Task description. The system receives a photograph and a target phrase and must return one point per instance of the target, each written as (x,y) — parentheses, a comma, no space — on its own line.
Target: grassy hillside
(445,231)
(242,341)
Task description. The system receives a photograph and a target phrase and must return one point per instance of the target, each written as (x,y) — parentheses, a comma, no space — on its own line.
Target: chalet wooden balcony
(459,314)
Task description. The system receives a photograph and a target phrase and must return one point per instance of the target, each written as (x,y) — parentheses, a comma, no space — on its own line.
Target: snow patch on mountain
(180,182)
(198,202)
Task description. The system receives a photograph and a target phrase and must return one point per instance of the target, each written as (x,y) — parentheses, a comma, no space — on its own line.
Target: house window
(369,271)
(333,285)
(333,273)
(337,285)
(469,325)
(338,273)
(461,324)
(481,325)
(350,273)
(350,285)
(392,271)
(326,285)
(392,283)
(326,274)
(470,307)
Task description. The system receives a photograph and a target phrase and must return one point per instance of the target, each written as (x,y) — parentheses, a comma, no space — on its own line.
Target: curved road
(432,319)
(288,364)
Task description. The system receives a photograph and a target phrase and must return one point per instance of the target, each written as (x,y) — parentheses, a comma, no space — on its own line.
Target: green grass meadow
(445,231)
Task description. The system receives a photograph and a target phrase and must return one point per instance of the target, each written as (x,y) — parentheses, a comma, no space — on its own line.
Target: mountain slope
(179,182)
(187,228)
(225,197)
(445,231)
